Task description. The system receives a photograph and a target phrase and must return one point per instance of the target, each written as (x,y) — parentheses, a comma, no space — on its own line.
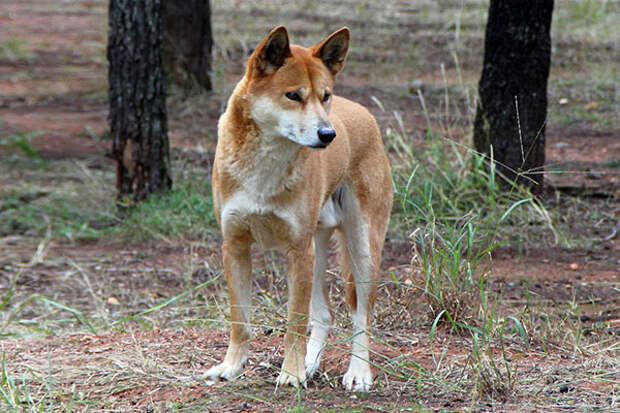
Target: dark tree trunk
(517,56)
(187,42)
(138,122)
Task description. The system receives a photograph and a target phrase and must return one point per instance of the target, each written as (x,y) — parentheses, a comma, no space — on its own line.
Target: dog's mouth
(318,146)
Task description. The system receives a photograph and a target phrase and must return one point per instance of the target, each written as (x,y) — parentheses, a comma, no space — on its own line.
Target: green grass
(590,11)
(20,394)
(585,20)
(613,163)
(40,201)
(64,214)
(20,143)
(60,216)
(184,211)
(448,186)
(457,209)
(13,49)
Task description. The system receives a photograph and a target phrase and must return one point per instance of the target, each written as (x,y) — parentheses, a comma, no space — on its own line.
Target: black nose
(326,135)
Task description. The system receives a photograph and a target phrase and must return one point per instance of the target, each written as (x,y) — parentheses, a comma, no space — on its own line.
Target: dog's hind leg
(356,240)
(320,314)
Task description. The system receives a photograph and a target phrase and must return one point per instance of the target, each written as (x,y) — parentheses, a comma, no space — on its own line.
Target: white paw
(312,365)
(313,358)
(290,379)
(358,379)
(224,371)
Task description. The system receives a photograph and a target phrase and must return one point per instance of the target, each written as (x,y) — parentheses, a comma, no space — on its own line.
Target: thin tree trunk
(188,41)
(137,96)
(511,113)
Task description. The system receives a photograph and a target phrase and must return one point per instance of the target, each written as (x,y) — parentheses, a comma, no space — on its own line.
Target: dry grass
(156,359)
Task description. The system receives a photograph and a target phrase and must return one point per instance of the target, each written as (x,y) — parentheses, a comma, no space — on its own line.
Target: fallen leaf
(113,301)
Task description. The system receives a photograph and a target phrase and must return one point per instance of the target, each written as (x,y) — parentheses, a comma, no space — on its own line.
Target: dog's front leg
(237,269)
(300,265)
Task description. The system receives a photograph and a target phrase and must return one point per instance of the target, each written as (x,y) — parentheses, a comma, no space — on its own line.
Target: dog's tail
(347,274)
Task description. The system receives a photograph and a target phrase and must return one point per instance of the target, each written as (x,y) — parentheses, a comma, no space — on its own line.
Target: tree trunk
(137,95)
(511,113)
(187,42)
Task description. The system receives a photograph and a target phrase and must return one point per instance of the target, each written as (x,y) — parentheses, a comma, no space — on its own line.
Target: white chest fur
(254,205)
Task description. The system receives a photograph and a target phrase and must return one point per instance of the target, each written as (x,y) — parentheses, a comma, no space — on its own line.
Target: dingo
(293,164)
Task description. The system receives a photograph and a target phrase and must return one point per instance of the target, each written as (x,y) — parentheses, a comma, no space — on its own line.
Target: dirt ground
(53,89)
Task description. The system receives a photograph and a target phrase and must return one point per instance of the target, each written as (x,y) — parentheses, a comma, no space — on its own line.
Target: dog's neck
(264,165)
(275,168)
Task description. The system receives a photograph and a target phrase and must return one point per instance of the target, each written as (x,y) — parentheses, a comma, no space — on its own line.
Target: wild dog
(294,164)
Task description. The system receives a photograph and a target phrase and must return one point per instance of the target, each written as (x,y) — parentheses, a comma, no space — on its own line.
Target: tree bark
(188,41)
(512,110)
(137,98)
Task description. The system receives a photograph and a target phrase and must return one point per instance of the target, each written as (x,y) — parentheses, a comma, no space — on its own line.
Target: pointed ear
(271,52)
(333,50)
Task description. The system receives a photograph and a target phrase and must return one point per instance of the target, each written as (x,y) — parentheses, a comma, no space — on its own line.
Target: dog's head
(290,87)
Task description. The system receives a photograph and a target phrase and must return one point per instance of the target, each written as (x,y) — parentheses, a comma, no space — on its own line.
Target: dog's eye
(293,96)
(326,96)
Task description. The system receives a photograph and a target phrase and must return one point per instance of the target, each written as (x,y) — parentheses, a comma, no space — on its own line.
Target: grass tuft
(14,49)
(456,209)
(19,142)
(34,212)
(450,261)
(186,210)
(451,186)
